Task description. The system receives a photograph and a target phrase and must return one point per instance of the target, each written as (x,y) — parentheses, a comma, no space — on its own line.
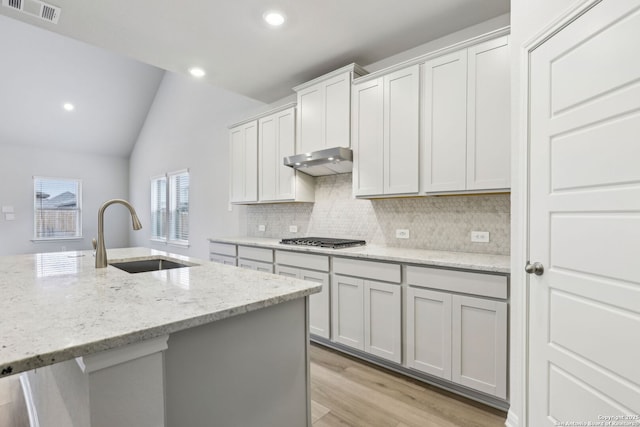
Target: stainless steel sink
(142,266)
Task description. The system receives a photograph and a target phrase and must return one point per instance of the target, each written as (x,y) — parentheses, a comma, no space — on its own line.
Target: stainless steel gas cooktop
(323,242)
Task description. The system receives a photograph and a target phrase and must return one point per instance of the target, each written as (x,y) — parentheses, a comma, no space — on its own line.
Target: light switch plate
(9,217)
(7,209)
(262,227)
(402,233)
(293,229)
(480,236)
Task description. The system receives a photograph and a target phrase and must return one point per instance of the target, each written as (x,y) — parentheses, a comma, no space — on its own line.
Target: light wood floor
(349,392)
(345,392)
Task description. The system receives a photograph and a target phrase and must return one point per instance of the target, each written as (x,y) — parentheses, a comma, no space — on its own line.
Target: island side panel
(250,370)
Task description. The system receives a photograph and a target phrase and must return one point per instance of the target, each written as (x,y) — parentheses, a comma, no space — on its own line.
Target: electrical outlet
(480,236)
(293,229)
(402,233)
(262,227)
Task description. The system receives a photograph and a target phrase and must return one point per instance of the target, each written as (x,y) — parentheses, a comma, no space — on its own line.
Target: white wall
(187,128)
(528,18)
(103,178)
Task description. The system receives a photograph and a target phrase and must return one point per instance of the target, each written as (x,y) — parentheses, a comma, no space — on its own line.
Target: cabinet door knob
(535,268)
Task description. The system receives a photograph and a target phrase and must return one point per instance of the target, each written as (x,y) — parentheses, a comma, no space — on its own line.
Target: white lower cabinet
(479,344)
(383,320)
(347,311)
(458,338)
(318,303)
(253,258)
(223,253)
(366,315)
(429,331)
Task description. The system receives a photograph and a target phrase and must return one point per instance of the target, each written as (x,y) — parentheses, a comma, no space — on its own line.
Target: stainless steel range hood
(323,162)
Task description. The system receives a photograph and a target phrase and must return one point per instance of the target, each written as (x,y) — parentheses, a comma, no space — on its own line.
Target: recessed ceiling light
(68,106)
(274,18)
(197,72)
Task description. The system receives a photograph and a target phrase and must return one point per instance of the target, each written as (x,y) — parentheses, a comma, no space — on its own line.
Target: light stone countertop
(58,306)
(458,260)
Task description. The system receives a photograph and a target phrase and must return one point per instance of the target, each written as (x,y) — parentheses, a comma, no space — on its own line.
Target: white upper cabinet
(244,162)
(276,139)
(324,110)
(386,116)
(258,174)
(465,136)
(444,125)
(368,138)
(488,131)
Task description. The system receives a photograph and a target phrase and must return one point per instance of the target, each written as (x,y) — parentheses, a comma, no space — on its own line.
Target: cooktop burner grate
(323,242)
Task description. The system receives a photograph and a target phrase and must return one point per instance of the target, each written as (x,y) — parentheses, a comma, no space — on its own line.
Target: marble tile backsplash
(436,223)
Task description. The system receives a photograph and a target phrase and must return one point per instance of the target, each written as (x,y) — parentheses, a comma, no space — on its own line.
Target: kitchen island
(202,345)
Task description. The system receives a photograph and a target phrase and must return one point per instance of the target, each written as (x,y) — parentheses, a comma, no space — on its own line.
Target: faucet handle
(94,243)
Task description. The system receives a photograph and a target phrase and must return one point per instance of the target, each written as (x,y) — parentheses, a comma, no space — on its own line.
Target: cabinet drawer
(222,259)
(487,285)
(308,261)
(367,269)
(222,248)
(258,254)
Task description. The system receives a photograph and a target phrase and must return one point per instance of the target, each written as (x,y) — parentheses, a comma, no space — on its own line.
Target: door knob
(535,268)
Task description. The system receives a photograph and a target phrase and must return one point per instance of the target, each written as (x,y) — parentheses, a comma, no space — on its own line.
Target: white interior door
(585,219)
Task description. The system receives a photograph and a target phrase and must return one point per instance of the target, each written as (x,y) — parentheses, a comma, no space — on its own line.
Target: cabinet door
(276,140)
(337,111)
(488,114)
(368,138)
(244,162)
(347,313)
(310,110)
(268,155)
(286,137)
(401,131)
(382,320)
(479,344)
(444,122)
(429,332)
(318,303)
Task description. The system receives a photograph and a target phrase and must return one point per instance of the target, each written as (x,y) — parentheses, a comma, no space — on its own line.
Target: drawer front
(486,285)
(222,259)
(258,254)
(381,271)
(308,261)
(222,248)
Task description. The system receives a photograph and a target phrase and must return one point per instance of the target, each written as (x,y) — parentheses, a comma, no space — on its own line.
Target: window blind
(179,207)
(57,208)
(159,208)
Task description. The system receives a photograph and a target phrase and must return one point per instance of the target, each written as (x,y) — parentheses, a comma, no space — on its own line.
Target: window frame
(79,223)
(169,197)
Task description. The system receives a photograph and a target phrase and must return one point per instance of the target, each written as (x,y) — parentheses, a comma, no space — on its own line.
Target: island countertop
(58,306)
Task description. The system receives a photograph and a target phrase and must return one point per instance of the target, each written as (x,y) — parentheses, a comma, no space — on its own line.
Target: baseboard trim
(512,419)
(28,399)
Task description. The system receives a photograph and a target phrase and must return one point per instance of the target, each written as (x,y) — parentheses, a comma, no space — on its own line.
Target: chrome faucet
(101,250)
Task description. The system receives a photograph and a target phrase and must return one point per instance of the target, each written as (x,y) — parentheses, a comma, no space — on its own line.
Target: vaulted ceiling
(228,39)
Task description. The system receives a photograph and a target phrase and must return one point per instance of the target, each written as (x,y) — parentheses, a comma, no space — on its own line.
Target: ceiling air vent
(36,8)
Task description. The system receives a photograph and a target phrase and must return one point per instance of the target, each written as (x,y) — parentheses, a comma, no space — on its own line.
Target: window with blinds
(159,208)
(57,208)
(170,208)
